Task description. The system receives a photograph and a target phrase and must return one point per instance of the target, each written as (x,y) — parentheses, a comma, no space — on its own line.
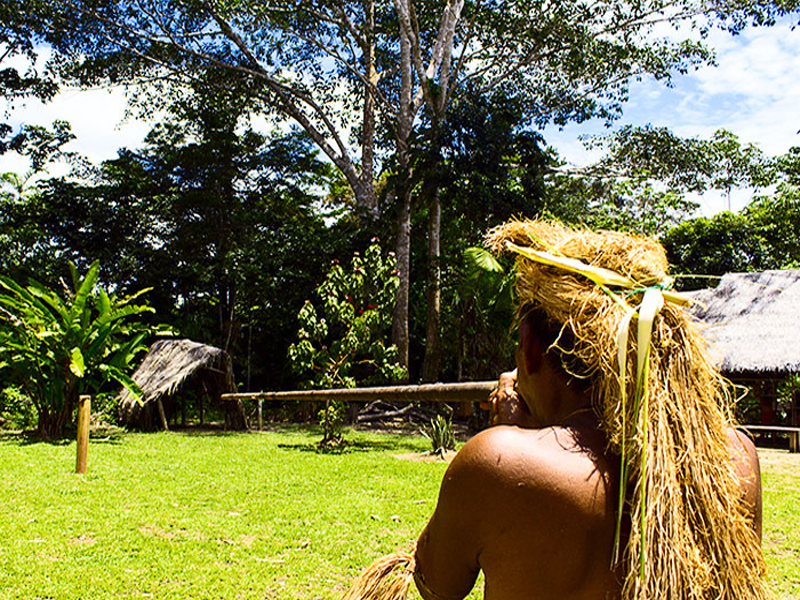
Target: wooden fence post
(84,416)
(261,414)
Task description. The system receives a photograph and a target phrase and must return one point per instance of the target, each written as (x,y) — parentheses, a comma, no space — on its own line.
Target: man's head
(548,390)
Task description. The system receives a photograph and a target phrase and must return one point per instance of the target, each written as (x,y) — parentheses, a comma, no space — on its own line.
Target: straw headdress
(664,409)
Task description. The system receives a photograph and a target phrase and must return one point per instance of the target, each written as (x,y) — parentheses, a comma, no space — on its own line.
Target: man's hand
(505,406)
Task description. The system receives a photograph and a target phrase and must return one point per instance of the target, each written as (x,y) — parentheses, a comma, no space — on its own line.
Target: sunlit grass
(246,516)
(206,516)
(780,476)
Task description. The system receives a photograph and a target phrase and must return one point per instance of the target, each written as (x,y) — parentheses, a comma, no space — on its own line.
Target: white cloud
(97,117)
(754,92)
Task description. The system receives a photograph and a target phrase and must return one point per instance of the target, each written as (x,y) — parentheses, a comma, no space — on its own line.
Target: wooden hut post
(162,414)
(84,416)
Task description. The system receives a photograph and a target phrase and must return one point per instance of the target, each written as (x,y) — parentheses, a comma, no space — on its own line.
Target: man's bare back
(535,510)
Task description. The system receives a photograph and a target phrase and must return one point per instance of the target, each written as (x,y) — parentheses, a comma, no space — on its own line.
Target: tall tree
(359,75)
(764,235)
(18,34)
(489,167)
(216,217)
(648,177)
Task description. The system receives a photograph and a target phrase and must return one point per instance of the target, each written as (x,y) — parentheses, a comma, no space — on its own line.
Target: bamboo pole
(473,391)
(84,416)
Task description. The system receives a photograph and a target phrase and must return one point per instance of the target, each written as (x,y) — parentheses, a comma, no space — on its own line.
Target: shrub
(344,345)
(16,409)
(341,344)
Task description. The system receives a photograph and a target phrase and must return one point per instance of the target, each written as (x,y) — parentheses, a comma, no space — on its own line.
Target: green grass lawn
(259,515)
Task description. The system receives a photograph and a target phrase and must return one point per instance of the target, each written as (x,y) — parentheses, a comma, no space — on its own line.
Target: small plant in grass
(332,417)
(440,433)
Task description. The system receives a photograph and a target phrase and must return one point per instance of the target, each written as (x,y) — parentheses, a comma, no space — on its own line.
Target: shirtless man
(532,501)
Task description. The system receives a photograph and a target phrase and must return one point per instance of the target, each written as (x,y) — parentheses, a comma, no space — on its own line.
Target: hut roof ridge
(752,321)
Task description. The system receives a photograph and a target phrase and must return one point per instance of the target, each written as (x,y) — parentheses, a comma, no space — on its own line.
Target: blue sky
(753,92)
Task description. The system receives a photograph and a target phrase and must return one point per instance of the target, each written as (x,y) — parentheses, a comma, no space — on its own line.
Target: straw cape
(172,367)
(663,407)
(752,321)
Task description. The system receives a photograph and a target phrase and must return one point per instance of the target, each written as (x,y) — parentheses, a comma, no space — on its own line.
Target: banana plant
(56,348)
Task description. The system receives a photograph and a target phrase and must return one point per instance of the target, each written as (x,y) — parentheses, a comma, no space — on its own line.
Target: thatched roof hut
(752,321)
(172,368)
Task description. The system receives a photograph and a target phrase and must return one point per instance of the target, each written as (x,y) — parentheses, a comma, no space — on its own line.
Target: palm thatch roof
(752,321)
(172,367)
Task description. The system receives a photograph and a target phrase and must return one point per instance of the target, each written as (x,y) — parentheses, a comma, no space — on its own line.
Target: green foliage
(482,307)
(716,245)
(55,348)
(332,418)
(440,433)
(344,345)
(16,409)
(643,182)
(764,235)
(211,214)
(640,207)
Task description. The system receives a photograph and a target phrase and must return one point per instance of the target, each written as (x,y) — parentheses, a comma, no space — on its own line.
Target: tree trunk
(433,347)
(366,198)
(52,422)
(403,192)
(403,250)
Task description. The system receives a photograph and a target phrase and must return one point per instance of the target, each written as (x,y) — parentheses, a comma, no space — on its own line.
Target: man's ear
(532,350)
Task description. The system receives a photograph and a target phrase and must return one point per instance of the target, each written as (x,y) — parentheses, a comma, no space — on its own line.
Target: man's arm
(448,549)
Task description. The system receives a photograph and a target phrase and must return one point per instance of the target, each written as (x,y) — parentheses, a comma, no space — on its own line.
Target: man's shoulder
(510,456)
(509,477)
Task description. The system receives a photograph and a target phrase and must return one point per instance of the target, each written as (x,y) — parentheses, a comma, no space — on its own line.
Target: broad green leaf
(82,294)
(103,302)
(76,278)
(482,259)
(123,356)
(125,380)
(52,300)
(133,296)
(76,364)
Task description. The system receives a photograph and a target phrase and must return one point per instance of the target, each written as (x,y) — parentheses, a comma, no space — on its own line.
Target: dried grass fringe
(696,540)
(388,578)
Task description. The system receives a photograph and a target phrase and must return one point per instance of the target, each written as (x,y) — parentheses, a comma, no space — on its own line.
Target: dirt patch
(426,456)
(780,463)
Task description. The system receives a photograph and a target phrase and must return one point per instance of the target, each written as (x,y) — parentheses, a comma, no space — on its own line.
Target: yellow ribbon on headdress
(652,301)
